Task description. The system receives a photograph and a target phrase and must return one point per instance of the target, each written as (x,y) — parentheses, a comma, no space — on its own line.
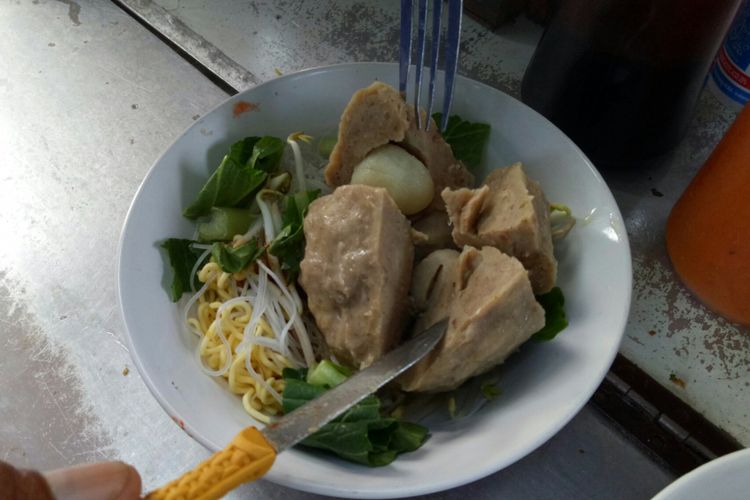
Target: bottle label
(731,71)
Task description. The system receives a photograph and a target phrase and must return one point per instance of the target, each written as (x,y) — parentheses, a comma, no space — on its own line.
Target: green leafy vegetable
(360,434)
(241,172)
(297,391)
(262,153)
(229,186)
(466,139)
(289,244)
(408,436)
(233,260)
(555,320)
(224,223)
(291,373)
(490,391)
(267,153)
(295,207)
(182,258)
(241,151)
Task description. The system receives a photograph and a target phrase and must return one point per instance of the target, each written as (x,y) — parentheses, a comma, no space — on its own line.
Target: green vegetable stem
(327,374)
(224,223)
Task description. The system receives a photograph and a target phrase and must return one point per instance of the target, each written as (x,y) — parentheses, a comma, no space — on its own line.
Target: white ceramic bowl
(543,386)
(725,478)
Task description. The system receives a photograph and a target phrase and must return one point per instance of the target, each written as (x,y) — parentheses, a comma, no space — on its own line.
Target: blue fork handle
(452,45)
(437,14)
(404,47)
(451,51)
(421,41)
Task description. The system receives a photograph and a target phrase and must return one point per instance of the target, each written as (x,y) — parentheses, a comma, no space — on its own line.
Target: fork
(452,43)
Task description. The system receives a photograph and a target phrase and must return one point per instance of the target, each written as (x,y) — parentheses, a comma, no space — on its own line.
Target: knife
(252,452)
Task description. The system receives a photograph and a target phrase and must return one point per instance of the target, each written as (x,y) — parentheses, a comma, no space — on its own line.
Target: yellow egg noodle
(236,317)
(250,323)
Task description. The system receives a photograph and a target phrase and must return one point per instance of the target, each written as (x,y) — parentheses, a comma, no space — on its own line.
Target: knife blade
(309,418)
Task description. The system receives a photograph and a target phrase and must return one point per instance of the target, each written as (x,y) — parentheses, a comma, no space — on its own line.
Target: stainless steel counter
(88,100)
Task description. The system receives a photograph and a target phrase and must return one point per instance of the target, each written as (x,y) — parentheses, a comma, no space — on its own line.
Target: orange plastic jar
(708,231)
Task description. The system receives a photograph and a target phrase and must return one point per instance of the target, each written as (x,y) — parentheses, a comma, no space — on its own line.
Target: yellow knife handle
(248,457)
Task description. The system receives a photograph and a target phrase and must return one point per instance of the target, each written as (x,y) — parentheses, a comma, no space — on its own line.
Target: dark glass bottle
(621,77)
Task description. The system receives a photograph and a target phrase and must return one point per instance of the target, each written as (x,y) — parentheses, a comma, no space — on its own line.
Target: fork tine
(452,44)
(404,47)
(422,21)
(437,8)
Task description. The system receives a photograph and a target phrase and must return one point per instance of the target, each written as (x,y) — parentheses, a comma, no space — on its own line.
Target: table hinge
(676,434)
